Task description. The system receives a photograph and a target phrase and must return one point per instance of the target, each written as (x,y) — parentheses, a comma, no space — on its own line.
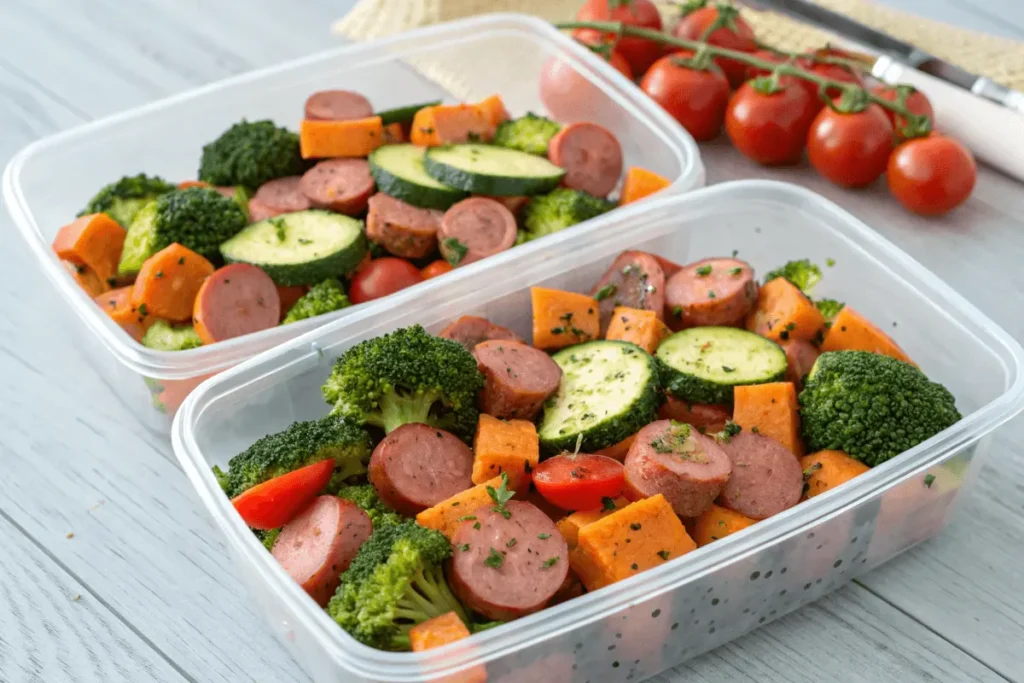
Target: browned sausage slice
(704,416)
(470,330)
(337,105)
(519,378)
(801,356)
(317,547)
(275,197)
(766,477)
(417,466)
(514,203)
(636,280)
(591,156)
(403,229)
(713,291)
(508,568)
(235,300)
(342,185)
(680,463)
(476,228)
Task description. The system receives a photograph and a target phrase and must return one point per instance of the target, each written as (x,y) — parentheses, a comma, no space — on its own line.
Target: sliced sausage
(317,547)
(476,228)
(670,267)
(514,203)
(591,156)
(342,185)
(508,568)
(635,280)
(682,464)
(705,417)
(235,300)
(713,291)
(766,477)
(470,330)
(417,466)
(519,378)
(403,229)
(337,105)
(801,356)
(275,197)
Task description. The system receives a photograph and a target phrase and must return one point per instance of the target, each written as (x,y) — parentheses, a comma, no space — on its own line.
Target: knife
(987,116)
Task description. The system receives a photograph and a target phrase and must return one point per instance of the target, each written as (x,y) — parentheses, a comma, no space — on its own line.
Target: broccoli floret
(267,538)
(871,406)
(251,153)
(802,274)
(395,582)
(122,199)
(829,308)
(321,298)
(407,376)
(163,336)
(560,209)
(365,496)
(301,444)
(530,133)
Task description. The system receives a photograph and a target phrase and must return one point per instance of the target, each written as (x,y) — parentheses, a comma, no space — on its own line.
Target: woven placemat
(998,58)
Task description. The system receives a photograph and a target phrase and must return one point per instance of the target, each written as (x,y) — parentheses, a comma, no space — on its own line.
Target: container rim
(406,667)
(202,360)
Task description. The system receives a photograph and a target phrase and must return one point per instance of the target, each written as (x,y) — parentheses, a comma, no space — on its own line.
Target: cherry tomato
(735,35)
(774,58)
(770,128)
(579,482)
(381,277)
(916,102)
(850,149)
(567,94)
(276,501)
(438,267)
(618,62)
(638,52)
(696,99)
(931,175)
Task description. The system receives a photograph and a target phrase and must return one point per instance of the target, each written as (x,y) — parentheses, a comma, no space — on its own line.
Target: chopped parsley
(550,562)
(494,559)
(664,554)
(477,526)
(511,543)
(735,271)
(466,518)
(711,294)
(280,228)
(607,504)
(143,310)
(929,479)
(543,537)
(704,271)
(605,292)
(830,262)
(500,496)
(464,547)
(455,251)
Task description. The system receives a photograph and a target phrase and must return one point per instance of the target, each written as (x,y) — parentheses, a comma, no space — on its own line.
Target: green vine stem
(852,98)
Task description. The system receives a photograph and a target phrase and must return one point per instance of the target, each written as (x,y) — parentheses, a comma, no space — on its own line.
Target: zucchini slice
(301,248)
(609,390)
(403,114)
(487,169)
(398,172)
(703,364)
(140,242)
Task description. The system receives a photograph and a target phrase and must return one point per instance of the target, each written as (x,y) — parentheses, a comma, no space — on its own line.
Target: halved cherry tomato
(580,481)
(695,98)
(931,175)
(382,276)
(736,34)
(770,127)
(639,53)
(851,150)
(438,267)
(275,502)
(916,102)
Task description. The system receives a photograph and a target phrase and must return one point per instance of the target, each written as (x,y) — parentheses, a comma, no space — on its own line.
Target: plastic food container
(48,182)
(664,616)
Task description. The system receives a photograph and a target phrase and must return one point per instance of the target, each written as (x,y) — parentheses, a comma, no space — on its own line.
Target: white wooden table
(109,571)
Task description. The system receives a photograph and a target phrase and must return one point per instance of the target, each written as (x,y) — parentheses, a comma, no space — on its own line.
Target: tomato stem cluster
(844,97)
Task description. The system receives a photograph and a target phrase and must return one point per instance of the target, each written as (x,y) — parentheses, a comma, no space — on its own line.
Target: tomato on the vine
(640,53)
(696,98)
(850,149)
(579,481)
(382,276)
(614,57)
(835,72)
(776,58)
(931,175)
(769,125)
(565,92)
(916,102)
(722,26)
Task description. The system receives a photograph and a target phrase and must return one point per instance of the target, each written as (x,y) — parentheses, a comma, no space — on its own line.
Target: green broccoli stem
(396,410)
(428,596)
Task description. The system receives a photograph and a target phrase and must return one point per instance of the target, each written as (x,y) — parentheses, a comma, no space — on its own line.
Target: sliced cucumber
(609,390)
(140,242)
(703,364)
(398,171)
(163,336)
(403,114)
(486,169)
(300,248)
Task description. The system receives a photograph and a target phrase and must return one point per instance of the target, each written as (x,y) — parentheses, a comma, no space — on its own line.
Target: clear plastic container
(48,182)
(705,598)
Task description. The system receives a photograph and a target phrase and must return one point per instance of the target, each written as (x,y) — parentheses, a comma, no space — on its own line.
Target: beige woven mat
(997,58)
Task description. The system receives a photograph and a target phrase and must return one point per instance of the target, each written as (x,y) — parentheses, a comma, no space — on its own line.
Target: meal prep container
(48,182)
(666,615)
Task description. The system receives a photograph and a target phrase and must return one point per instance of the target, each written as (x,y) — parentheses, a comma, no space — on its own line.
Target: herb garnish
(455,251)
(500,496)
(495,559)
